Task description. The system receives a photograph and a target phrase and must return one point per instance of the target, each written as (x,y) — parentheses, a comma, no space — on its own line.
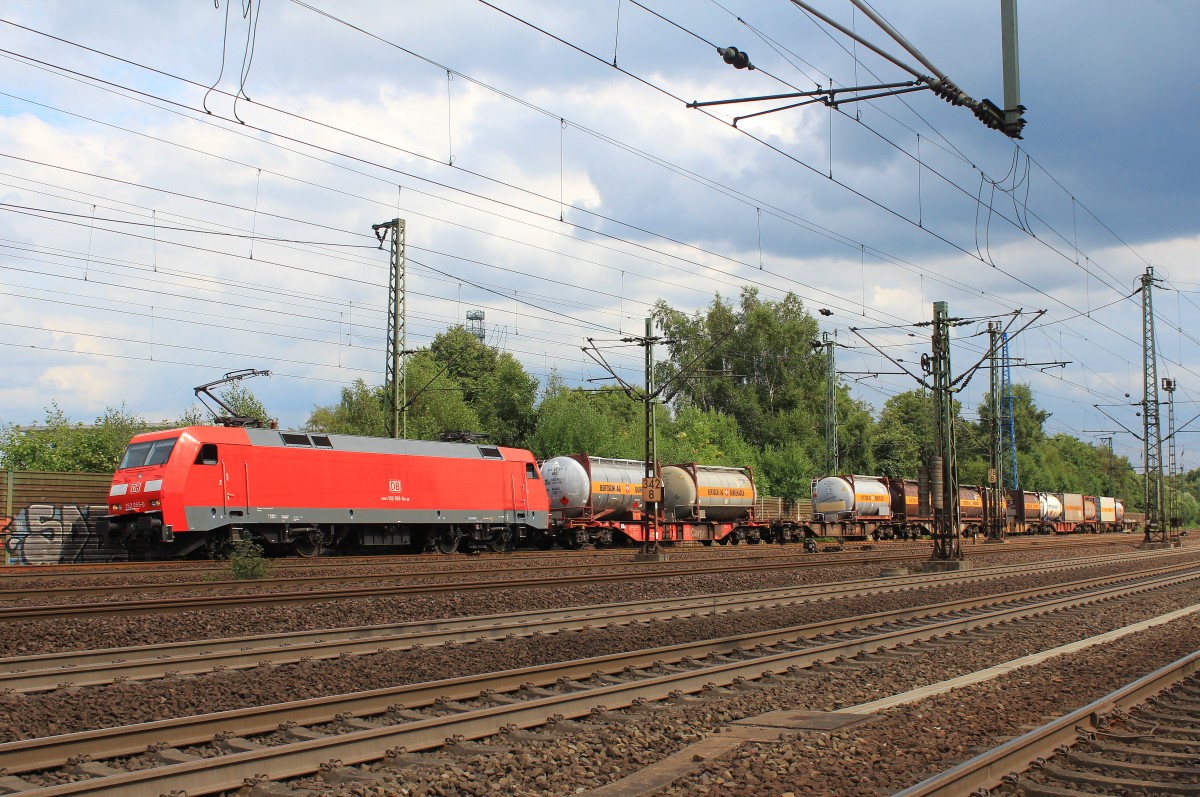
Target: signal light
(735,57)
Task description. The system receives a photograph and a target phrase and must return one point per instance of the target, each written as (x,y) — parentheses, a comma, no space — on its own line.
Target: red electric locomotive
(194,490)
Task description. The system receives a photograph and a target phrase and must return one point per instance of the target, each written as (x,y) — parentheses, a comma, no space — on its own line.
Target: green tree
(438,401)
(194,415)
(786,471)
(765,373)
(707,437)
(65,445)
(361,410)
(603,423)
(767,376)
(493,384)
(435,399)
(904,435)
(505,402)
(245,404)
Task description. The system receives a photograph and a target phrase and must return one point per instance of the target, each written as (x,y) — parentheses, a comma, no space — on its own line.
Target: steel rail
(21,573)
(688,549)
(688,676)
(95,667)
(1017,754)
(768,562)
(638,572)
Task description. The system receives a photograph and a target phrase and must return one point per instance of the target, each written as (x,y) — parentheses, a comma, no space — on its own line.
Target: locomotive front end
(139,508)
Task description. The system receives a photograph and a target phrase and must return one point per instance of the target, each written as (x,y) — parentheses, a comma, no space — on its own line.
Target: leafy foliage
(362,410)
(244,403)
(457,384)
(603,423)
(246,562)
(64,445)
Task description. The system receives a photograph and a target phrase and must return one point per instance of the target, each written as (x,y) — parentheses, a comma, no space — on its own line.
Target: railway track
(90,668)
(27,573)
(392,724)
(1140,739)
(26,607)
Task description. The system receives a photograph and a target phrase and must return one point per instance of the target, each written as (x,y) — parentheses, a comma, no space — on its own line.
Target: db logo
(394,486)
(136,487)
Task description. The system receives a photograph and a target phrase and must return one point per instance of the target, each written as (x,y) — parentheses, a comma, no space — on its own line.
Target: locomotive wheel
(217,546)
(446,541)
(308,544)
(500,543)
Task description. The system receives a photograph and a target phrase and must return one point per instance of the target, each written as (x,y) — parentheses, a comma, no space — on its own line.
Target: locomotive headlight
(155,503)
(115,508)
(153,485)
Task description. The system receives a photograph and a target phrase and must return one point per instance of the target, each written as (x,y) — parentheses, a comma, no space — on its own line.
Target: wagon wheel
(706,543)
(446,540)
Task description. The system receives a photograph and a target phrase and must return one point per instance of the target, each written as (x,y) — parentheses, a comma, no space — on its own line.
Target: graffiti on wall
(48,534)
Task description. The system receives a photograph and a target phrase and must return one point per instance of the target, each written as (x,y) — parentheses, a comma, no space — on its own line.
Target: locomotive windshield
(150,452)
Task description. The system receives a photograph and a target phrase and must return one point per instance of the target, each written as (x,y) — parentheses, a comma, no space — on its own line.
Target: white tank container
(1050,507)
(715,493)
(611,487)
(866,496)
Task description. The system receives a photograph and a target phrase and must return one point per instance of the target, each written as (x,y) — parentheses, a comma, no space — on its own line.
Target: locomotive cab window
(530,471)
(207,454)
(149,452)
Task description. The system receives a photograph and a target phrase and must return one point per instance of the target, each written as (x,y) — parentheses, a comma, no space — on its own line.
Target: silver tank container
(865,495)
(1050,507)
(610,486)
(720,493)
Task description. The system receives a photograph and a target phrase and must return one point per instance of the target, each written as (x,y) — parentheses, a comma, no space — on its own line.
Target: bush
(246,560)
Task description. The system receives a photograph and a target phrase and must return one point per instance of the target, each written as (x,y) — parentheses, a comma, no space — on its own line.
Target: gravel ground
(19,638)
(126,703)
(901,747)
(436,569)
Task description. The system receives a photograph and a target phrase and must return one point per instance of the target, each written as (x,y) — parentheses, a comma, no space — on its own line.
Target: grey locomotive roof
(371,445)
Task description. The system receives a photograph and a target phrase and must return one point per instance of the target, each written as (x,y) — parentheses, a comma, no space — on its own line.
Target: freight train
(195,491)
(883,508)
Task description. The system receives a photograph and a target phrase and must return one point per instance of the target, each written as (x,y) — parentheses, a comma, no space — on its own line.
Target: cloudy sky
(188,189)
